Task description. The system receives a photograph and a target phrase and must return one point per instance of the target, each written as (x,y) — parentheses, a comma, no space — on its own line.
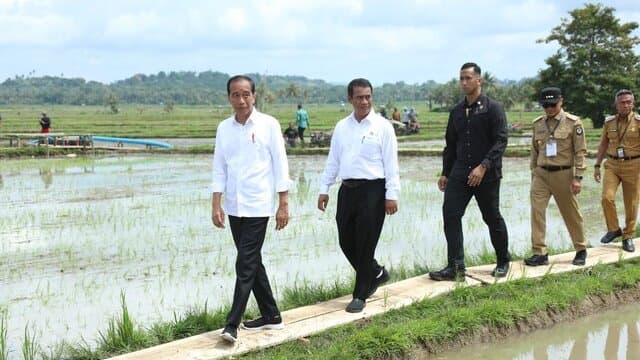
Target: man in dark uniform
(557,163)
(476,138)
(620,142)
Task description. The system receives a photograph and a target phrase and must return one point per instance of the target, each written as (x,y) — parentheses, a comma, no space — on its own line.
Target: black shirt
(476,134)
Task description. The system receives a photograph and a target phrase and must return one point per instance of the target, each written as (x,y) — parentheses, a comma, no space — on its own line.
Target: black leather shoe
(355,306)
(450,273)
(580,258)
(381,278)
(610,236)
(501,270)
(537,260)
(627,245)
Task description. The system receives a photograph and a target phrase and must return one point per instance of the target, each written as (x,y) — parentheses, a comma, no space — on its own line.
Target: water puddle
(612,334)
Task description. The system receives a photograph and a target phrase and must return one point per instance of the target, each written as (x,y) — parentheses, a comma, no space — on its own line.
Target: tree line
(596,57)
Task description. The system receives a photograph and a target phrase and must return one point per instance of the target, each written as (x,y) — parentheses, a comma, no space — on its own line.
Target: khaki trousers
(626,172)
(545,184)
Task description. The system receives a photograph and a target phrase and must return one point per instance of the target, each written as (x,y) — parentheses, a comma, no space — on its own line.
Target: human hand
(596,174)
(442,183)
(476,175)
(390,207)
(323,200)
(217,217)
(282,217)
(576,186)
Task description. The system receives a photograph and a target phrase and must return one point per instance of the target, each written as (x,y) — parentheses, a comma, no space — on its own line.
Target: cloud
(31,30)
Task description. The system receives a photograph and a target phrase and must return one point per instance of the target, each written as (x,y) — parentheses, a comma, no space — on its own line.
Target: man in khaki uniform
(557,164)
(620,142)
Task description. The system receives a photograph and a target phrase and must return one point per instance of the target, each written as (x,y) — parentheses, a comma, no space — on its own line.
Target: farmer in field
(249,167)
(364,154)
(557,163)
(290,135)
(620,142)
(476,138)
(45,124)
(302,119)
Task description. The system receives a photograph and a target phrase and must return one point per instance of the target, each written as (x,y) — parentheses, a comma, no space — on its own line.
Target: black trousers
(301,133)
(457,195)
(360,216)
(248,236)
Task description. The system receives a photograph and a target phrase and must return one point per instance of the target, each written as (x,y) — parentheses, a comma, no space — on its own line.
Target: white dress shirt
(250,165)
(363,150)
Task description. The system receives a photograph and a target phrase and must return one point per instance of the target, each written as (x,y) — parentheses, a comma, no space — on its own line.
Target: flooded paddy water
(75,233)
(611,334)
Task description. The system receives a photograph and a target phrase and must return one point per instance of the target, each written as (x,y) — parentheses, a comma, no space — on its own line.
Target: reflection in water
(609,335)
(46,175)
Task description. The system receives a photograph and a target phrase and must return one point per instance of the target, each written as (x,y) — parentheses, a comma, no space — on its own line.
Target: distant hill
(209,88)
(185,87)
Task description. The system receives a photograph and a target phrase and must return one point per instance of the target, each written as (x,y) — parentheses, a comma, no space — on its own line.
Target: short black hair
(476,68)
(240,77)
(299,106)
(359,82)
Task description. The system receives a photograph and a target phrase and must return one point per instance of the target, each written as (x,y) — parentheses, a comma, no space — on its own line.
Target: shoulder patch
(538,118)
(579,131)
(571,116)
(609,118)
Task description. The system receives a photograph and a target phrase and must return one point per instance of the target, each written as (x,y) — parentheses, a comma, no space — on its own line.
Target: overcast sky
(333,40)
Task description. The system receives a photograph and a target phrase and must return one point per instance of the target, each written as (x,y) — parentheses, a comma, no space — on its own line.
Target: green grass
(4,351)
(433,322)
(151,121)
(124,335)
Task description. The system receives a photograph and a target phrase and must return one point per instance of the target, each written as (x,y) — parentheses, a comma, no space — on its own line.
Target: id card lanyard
(552,145)
(620,148)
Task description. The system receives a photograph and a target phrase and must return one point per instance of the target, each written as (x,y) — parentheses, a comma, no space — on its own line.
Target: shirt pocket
(633,132)
(371,147)
(564,139)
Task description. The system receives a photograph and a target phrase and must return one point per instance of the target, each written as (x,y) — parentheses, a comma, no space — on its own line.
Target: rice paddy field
(76,233)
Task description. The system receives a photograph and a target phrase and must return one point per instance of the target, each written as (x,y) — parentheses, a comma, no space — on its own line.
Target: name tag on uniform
(552,148)
(620,151)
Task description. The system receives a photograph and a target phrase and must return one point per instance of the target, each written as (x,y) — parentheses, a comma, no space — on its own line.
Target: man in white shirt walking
(364,155)
(249,167)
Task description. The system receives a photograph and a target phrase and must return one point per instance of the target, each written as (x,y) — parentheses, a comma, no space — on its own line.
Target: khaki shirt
(569,137)
(614,130)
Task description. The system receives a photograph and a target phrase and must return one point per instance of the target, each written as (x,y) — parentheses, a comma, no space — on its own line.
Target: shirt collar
(367,118)
(250,120)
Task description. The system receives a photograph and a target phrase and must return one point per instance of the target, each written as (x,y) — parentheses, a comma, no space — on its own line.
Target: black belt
(556,168)
(623,158)
(352,183)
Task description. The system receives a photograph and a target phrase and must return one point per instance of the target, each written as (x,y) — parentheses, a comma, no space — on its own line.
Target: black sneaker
(501,270)
(580,258)
(229,334)
(263,323)
(355,306)
(627,245)
(381,278)
(450,273)
(537,260)
(610,236)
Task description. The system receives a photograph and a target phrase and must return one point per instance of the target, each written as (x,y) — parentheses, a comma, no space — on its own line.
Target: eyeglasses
(549,105)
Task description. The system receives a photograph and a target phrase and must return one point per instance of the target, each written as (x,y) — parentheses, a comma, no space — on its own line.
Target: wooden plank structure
(308,320)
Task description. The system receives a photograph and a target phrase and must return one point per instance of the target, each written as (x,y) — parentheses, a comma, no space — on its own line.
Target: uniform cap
(550,95)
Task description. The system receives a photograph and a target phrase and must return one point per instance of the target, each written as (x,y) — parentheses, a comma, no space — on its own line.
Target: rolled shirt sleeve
(219,169)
